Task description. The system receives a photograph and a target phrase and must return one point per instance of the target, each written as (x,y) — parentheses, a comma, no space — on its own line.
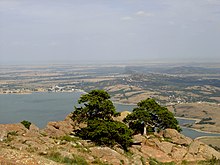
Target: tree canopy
(96,105)
(107,133)
(149,113)
(98,112)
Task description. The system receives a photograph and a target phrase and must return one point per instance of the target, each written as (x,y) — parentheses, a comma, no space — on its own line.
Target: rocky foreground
(56,144)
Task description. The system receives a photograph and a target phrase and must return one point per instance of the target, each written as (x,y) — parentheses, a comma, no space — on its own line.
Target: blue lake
(39,108)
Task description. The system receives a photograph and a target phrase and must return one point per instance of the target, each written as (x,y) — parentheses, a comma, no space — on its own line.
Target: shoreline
(198,130)
(28,93)
(186,118)
(118,102)
(204,137)
(203,131)
(22,93)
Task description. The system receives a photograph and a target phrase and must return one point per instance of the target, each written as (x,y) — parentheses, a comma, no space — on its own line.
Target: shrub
(69,138)
(57,157)
(26,124)
(107,133)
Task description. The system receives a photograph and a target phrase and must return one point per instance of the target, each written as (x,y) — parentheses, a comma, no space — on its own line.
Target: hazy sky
(109,30)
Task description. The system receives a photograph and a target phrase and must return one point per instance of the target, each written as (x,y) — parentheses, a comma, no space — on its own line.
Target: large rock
(108,155)
(200,151)
(6,129)
(178,153)
(58,129)
(33,131)
(175,137)
(14,157)
(139,138)
(173,146)
(166,147)
(152,152)
(61,128)
(209,152)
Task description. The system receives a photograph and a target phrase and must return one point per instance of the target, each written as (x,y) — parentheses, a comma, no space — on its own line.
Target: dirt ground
(214,141)
(200,111)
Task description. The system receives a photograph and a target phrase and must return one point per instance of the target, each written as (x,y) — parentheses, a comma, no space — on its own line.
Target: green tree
(107,133)
(98,112)
(96,105)
(149,113)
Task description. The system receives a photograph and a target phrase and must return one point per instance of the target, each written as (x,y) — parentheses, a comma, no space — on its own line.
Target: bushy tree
(107,133)
(149,113)
(96,105)
(98,112)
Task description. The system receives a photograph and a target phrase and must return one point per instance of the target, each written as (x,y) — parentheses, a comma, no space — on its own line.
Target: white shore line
(118,102)
(186,118)
(27,93)
(204,137)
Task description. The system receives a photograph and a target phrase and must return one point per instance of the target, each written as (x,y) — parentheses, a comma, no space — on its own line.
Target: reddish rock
(33,131)
(58,129)
(61,128)
(6,129)
(139,138)
(165,147)
(200,150)
(14,157)
(175,137)
(106,154)
(155,153)
(178,153)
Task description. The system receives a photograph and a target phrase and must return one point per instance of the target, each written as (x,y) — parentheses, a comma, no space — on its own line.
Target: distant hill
(172,70)
(191,70)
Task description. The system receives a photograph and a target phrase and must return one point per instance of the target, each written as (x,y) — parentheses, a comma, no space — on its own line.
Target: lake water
(39,108)
(193,133)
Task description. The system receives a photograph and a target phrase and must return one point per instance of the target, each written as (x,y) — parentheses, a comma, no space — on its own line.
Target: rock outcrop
(20,145)
(61,128)
(175,137)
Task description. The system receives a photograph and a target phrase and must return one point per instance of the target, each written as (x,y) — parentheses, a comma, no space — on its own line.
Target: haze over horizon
(68,31)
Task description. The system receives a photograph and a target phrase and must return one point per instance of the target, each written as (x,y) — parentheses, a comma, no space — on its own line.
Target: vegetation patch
(99,162)
(69,138)
(213,161)
(57,157)
(107,133)
(215,147)
(12,133)
(153,161)
(26,124)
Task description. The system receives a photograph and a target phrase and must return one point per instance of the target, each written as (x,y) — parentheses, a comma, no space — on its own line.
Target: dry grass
(214,141)
(201,110)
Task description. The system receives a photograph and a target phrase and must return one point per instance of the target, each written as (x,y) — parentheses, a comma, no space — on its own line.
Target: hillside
(56,144)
